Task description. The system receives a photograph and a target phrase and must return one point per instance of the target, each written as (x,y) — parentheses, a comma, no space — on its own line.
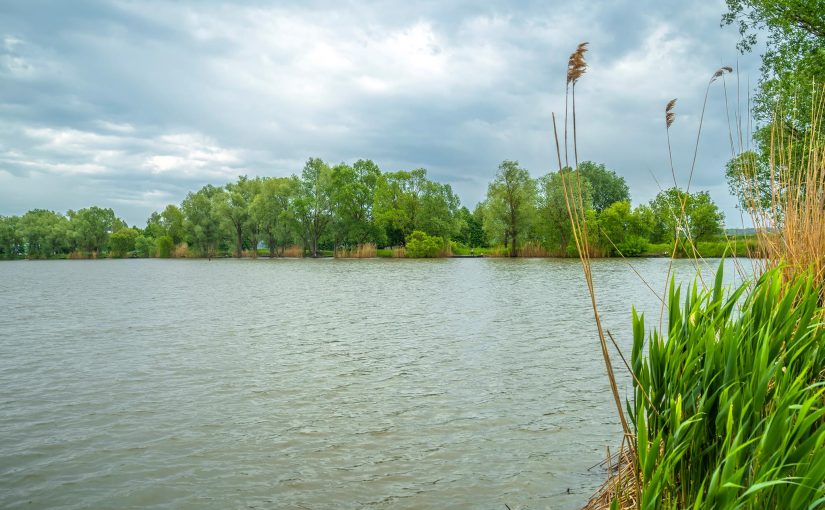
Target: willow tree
(511,197)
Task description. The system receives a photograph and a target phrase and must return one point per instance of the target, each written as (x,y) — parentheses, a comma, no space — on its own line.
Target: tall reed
(360,251)
(790,221)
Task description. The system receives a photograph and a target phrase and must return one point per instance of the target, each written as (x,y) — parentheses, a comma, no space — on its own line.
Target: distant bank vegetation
(359,211)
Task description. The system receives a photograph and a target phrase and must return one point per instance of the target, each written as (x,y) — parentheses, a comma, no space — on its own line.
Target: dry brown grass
(791,228)
(296,251)
(181,251)
(399,252)
(361,251)
(533,249)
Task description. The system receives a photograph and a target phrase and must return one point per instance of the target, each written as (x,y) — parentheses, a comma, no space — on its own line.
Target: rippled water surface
(458,383)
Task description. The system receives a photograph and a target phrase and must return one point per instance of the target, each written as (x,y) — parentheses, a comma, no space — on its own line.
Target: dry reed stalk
(181,251)
(621,481)
(399,252)
(361,251)
(295,251)
(576,212)
(533,249)
(791,229)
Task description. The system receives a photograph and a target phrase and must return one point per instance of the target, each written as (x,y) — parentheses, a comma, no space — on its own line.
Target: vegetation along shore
(359,211)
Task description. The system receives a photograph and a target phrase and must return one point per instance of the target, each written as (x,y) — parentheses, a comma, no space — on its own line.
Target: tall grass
(295,250)
(791,223)
(729,401)
(361,251)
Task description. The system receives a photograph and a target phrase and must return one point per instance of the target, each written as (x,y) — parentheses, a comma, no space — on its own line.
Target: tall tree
(606,187)
(398,201)
(202,221)
(172,221)
(553,214)
(233,206)
(11,244)
(93,226)
(702,219)
(794,57)
(313,205)
(271,210)
(512,196)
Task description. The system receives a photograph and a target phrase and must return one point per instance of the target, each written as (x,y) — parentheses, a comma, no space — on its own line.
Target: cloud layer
(132,104)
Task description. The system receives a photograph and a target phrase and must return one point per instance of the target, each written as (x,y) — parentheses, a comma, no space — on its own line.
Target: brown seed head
(719,72)
(669,115)
(576,66)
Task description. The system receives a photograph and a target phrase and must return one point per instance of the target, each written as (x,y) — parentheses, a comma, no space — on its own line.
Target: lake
(449,383)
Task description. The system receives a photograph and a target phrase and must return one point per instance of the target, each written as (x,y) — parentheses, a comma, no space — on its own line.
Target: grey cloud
(132,104)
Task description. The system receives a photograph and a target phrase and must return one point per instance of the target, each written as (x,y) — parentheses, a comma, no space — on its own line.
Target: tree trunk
(271,245)
(513,245)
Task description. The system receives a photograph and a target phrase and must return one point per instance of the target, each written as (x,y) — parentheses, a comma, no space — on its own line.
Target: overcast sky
(131,104)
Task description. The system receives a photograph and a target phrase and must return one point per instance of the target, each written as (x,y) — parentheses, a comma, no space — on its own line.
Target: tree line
(341,208)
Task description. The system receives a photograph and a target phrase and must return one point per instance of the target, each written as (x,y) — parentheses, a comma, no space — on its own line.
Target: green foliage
(794,57)
(703,220)
(165,245)
(145,246)
(11,243)
(421,245)
(729,404)
(123,241)
(552,208)
(624,230)
(202,223)
(91,228)
(606,187)
(511,203)
(313,203)
(46,233)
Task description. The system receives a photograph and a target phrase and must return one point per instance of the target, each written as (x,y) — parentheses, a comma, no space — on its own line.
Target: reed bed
(399,252)
(361,251)
(533,249)
(791,221)
(181,251)
(296,251)
(729,401)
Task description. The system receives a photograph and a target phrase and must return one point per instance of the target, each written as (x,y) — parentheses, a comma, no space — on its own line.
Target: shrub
(421,245)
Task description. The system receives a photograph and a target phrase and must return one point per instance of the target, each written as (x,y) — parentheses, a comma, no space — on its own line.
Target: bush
(633,246)
(145,246)
(421,245)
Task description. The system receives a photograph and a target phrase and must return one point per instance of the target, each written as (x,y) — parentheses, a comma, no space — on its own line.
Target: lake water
(454,383)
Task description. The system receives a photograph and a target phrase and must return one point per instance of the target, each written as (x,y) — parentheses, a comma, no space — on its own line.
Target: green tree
(233,206)
(44,233)
(352,196)
(791,82)
(172,221)
(512,198)
(606,187)
(313,205)
(11,244)
(398,201)
(702,220)
(794,57)
(93,226)
(145,246)
(123,241)
(624,230)
(202,222)
(554,220)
